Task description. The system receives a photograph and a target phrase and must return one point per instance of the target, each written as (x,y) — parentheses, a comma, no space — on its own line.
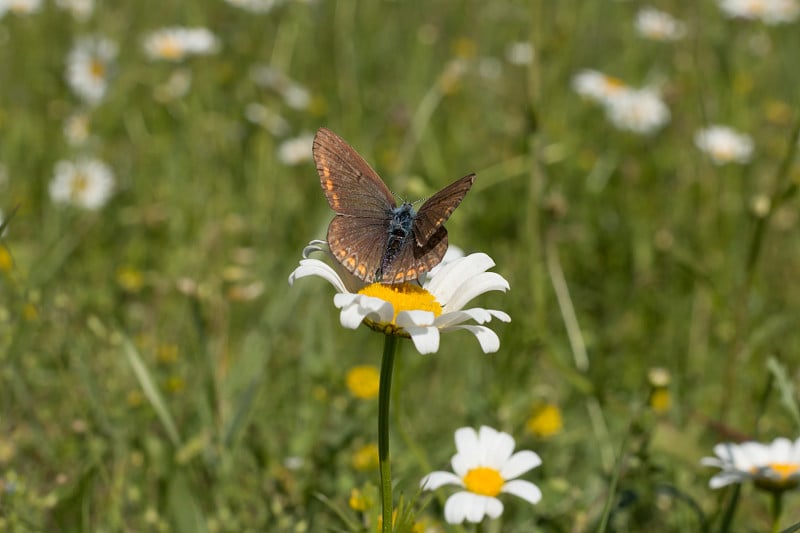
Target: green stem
(777,509)
(387,364)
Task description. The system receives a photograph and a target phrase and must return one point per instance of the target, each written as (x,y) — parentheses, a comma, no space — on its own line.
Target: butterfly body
(371,236)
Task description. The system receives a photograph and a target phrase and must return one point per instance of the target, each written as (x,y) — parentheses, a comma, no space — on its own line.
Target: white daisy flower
(638,110)
(20,7)
(774,466)
(485,466)
(254,6)
(598,87)
(85,183)
(81,10)
(266,118)
(724,145)
(177,43)
(658,26)
(767,11)
(88,66)
(411,311)
(297,150)
(295,95)
(520,53)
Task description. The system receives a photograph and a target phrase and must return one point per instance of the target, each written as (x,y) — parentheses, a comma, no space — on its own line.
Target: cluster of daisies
(643,110)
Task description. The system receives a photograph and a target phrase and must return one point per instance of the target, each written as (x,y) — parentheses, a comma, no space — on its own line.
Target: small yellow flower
(363,381)
(366,457)
(130,279)
(545,421)
(660,400)
(358,501)
(175,384)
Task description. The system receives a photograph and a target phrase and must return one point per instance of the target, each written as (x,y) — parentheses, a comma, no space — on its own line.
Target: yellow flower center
(776,477)
(97,69)
(170,48)
(79,184)
(403,297)
(784,470)
(484,481)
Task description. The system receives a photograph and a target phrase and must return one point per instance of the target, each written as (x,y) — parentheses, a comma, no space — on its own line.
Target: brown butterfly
(370,235)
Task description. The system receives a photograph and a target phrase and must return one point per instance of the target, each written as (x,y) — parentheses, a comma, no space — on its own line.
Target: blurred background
(157,187)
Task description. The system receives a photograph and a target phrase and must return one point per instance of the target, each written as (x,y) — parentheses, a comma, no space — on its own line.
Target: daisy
(774,466)
(254,6)
(266,118)
(85,183)
(177,43)
(409,310)
(596,86)
(767,11)
(520,53)
(658,26)
(485,466)
(638,110)
(295,95)
(724,145)
(88,66)
(81,10)
(295,151)
(20,7)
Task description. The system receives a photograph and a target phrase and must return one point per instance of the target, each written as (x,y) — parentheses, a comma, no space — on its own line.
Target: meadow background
(159,374)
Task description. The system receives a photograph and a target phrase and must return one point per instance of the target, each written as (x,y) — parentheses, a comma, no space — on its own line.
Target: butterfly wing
(352,188)
(358,243)
(438,209)
(414,260)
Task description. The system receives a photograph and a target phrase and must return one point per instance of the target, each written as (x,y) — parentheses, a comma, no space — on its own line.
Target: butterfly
(371,236)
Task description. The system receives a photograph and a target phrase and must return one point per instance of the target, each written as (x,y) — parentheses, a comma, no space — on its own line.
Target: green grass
(148,407)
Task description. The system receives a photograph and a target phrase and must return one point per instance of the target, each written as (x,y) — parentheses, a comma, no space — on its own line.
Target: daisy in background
(88,66)
(85,183)
(296,150)
(295,95)
(724,145)
(638,110)
(658,26)
(20,7)
(767,11)
(485,467)
(266,118)
(80,10)
(774,466)
(420,313)
(254,6)
(520,53)
(177,43)
(597,87)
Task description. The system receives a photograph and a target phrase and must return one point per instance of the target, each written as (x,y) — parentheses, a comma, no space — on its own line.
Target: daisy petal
(425,339)
(467,442)
(477,285)
(501,449)
(477,510)
(434,480)
(315,267)
(448,280)
(414,318)
(519,463)
(494,507)
(523,489)
(457,507)
(487,338)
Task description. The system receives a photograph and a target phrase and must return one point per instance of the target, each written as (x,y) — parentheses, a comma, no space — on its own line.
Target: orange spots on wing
(328,182)
(362,270)
(335,199)
(350,263)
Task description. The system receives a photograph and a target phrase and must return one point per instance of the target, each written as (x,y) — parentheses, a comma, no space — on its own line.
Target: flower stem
(387,364)
(777,508)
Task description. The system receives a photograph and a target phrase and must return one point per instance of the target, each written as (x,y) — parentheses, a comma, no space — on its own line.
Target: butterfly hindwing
(414,260)
(358,244)
(438,208)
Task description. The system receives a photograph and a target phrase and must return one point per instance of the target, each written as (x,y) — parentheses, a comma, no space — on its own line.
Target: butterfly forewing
(349,183)
(439,207)
(358,244)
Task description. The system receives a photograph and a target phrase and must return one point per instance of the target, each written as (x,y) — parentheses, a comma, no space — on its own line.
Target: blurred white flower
(597,86)
(76,128)
(724,145)
(658,25)
(254,6)
(520,53)
(85,183)
(774,466)
(408,310)
(485,467)
(176,86)
(20,7)
(177,43)
(767,11)
(297,150)
(81,10)
(266,118)
(88,67)
(638,110)
(295,95)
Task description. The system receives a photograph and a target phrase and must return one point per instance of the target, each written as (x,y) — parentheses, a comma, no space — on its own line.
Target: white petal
(470,288)
(457,507)
(781,451)
(434,480)
(494,507)
(356,307)
(477,314)
(426,340)
(315,267)
(519,463)
(524,489)
(712,461)
(497,447)
(415,318)
(487,338)
(450,277)
(726,478)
